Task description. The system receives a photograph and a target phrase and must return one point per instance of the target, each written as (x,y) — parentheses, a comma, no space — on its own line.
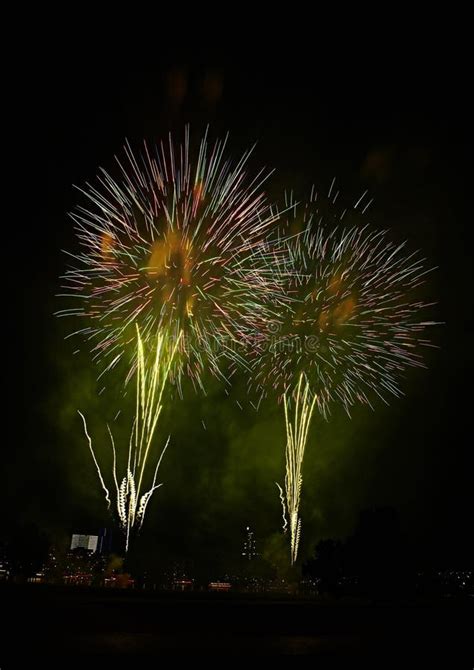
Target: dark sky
(396,128)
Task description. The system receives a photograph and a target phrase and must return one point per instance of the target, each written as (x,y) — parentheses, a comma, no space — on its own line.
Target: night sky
(399,130)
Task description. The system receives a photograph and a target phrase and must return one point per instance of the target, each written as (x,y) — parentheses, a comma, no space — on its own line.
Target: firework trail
(297,421)
(131,498)
(174,245)
(350,329)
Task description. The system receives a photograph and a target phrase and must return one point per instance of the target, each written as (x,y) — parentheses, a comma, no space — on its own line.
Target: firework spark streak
(283,506)
(297,420)
(131,503)
(173,245)
(99,472)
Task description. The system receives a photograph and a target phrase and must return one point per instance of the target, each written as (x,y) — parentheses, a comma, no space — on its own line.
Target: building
(219,586)
(4,570)
(104,545)
(83,567)
(119,581)
(249,551)
(88,542)
(182,585)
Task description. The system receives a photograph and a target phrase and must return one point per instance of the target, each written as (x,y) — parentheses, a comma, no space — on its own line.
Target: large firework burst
(171,244)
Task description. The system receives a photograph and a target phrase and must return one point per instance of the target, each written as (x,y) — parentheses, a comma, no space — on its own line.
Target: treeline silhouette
(379,561)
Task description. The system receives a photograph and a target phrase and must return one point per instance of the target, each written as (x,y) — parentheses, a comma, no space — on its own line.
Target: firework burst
(173,245)
(352,323)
